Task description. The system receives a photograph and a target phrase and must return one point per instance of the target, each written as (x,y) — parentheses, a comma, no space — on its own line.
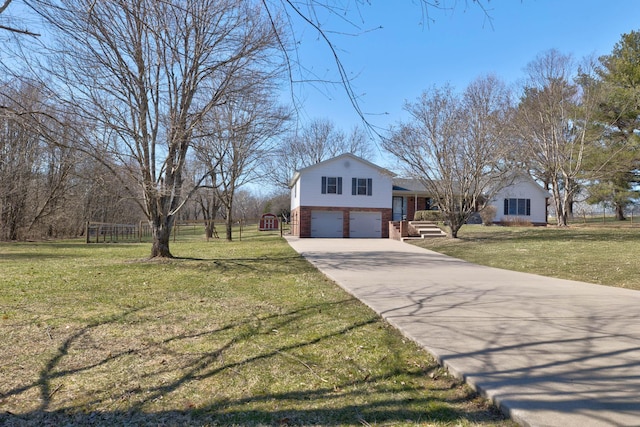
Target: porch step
(427,229)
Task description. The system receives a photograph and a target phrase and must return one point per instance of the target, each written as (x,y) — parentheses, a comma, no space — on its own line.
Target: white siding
(295,195)
(523,188)
(309,191)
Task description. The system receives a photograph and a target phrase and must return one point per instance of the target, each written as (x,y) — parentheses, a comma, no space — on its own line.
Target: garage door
(326,224)
(365,224)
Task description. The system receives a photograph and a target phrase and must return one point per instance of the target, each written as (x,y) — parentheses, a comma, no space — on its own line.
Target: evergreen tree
(619,113)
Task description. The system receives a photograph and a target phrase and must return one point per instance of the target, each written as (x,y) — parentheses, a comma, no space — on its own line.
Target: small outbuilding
(268,222)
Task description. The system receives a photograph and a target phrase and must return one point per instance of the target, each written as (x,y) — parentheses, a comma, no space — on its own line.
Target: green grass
(593,253)
(230,333)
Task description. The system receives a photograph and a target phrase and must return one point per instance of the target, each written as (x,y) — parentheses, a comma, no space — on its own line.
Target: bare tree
(35,176)
(141,74)
(238,136)
(315,142)
(4,5)
(328,19)
(147,73)
(455,145)
(19,155)
(553,123)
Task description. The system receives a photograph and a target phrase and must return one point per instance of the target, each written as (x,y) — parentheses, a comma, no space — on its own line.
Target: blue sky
(408,54)
(403,58)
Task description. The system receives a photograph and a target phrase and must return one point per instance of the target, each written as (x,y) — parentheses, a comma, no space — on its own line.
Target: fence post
(86,232)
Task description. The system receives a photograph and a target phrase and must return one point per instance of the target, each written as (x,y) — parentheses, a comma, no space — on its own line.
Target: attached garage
(365,224)
(326,224)
(345,196)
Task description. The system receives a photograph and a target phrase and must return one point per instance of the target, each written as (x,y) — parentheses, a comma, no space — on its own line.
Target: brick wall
(295,222)
(422,204)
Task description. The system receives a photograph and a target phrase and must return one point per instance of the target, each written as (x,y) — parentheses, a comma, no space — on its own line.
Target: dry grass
(600,254)
(242,333)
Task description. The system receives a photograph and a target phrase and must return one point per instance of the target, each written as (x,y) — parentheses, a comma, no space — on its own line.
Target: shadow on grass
(238,265)
(553,235)
(34,251)
(380,412)
(363,399)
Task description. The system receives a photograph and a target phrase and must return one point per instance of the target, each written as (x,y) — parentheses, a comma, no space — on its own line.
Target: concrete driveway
(549,352)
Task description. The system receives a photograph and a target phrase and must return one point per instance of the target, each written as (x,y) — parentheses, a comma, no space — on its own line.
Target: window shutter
(369,186)
(324,185)
(506,206)
(340,185)
(528,207)
(354,186)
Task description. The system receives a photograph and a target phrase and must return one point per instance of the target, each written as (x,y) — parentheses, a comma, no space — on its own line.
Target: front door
(399,209)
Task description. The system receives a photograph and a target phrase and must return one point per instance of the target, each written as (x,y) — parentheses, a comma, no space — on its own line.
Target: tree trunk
(455,224)
(228,205)
(558,202)
(619,212)
(209,229)
(161,238)
(229,226)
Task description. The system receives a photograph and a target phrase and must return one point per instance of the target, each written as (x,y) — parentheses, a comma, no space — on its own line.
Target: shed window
(331,185)
(362,186)
(520,207)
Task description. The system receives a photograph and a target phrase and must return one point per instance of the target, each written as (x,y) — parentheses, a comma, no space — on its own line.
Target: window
(361,186)
(521,207)
(331,185)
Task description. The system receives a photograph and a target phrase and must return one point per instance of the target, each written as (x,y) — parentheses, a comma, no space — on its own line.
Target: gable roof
(348,156)
(521,176)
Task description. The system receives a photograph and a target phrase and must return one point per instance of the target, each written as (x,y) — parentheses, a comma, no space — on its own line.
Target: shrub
(515,221)
(431,215)
(488,213)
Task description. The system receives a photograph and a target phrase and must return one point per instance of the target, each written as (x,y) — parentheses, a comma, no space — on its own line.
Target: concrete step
(427,229)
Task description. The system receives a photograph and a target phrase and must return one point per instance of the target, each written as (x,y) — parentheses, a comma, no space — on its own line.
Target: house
(345,196)
(522,200)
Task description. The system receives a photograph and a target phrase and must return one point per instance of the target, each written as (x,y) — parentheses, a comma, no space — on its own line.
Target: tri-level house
(347,196)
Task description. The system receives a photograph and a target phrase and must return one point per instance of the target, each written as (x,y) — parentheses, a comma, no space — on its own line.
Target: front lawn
(606,255)
(241,333)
